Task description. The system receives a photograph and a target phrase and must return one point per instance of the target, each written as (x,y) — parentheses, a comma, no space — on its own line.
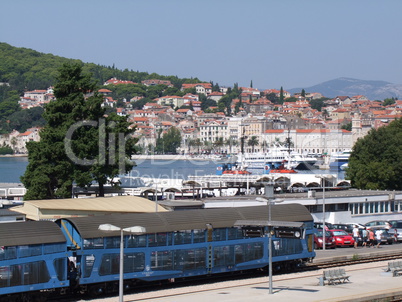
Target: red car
(342,238)
(329,240)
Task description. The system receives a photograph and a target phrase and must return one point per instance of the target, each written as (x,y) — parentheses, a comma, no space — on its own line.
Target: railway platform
(368,282)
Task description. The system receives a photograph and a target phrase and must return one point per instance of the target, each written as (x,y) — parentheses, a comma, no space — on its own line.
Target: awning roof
(73,207)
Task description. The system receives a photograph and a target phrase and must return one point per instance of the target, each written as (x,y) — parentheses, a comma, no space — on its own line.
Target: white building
(312,140)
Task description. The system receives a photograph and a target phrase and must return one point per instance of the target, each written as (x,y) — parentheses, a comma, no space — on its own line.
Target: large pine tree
(79,143)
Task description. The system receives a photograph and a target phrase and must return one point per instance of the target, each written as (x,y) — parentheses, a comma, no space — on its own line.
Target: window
(249,252)
(54,248)
(224,255)
(8,252)
(29,250)
(112,242)
(110,264)
(93,243)
(60,266)
(182,237)
(219,234)
(137,241)
(87,265)
(158,239)
(198,236)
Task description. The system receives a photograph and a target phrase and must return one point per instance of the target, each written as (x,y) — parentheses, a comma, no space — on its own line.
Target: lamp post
(322,177)
(137,230)
(269,201)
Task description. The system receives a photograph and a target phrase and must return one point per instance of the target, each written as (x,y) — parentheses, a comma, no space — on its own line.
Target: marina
(194,184)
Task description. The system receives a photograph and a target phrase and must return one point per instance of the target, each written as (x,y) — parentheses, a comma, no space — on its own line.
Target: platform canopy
(52,209)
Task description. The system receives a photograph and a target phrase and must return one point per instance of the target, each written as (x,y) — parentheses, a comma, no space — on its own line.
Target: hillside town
(258,121)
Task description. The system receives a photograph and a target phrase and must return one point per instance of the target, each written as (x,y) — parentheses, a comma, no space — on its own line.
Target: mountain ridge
(344,86)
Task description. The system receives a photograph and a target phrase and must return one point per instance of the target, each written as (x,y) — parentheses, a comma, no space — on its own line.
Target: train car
(185,244)
(33,260)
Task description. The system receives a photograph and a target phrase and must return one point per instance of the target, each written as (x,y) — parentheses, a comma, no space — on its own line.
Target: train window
(35,272)
(112,242)
(158,239)
(87,265)
(249,252)
(110,264)
(235,233)
(189,259)
(134,262)
(198,236)
(287,246)
(182,237)
(137,241)
(93,243)
(162,260)
(8,252)
(60,265)
(5,276)
(29,250)
(224,255)
(54,248)
(219,234)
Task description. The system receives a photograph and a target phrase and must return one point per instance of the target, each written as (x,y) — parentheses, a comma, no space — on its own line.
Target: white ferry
(274,157)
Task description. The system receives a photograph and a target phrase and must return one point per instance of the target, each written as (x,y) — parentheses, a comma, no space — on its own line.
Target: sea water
(12,168)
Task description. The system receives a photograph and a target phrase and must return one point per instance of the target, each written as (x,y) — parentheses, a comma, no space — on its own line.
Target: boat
(231,169)
(338,159)
(283,168)
(275,156)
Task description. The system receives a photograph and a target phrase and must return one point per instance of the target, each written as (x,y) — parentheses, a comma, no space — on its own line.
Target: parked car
(378,224)
(396,225)
(342,238)
(318,240)
(340,226)
(386,237)
(318,225)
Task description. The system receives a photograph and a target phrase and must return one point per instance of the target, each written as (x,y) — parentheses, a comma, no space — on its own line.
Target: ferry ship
(339,159)
(274,157)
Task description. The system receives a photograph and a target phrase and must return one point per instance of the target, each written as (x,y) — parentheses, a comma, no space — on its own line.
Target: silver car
(396,227)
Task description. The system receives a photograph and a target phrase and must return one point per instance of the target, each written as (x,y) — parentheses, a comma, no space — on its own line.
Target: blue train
(40,258)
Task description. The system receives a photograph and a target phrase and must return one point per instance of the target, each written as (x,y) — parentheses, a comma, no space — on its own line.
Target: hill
(27,69)
(373,90)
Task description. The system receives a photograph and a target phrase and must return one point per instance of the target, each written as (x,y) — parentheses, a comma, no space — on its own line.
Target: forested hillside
(23,69)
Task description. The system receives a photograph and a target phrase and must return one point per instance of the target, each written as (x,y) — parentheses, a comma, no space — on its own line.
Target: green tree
(218,144)
(389,101)
(172,140)
(375,162)
(281,97)
(252,142)
(348,126)
(317,103)
(75,145)
(303,93)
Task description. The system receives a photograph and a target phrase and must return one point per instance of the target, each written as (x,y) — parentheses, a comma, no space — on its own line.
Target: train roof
(30,232)
(188,219)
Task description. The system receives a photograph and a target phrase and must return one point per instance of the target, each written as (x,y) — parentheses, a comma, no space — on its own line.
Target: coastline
(173,157)
(14,155)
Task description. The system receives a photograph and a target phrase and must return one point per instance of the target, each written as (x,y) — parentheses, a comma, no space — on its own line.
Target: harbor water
(12,168)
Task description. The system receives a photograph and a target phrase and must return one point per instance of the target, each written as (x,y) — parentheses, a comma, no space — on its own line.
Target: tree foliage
(76,144)
(375,162)
(172,140)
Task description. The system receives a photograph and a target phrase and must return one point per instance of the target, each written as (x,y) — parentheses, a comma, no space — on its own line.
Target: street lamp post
(322,177)
(269,200)
(137,230)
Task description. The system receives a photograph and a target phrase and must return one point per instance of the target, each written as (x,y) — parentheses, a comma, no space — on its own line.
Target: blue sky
(288,43)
